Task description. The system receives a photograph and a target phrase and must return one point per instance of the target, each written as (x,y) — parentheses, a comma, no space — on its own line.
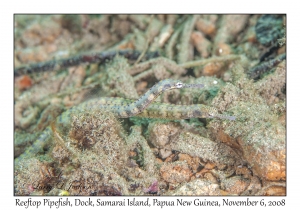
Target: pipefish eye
(210,115)
(179,85)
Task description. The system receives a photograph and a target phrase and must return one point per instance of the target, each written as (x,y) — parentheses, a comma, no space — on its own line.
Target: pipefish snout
(213,113)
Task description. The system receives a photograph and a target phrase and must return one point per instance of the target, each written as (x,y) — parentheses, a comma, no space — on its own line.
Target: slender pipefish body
(124,108)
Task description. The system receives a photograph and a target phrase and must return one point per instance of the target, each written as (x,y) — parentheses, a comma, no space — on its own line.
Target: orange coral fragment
(275,191)
(176,172)
(201,43)
(24,82)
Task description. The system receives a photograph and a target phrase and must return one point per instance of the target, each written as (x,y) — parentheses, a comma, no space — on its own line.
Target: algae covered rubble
(65,147)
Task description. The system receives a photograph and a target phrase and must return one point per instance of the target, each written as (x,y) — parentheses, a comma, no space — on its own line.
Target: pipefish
(145,106)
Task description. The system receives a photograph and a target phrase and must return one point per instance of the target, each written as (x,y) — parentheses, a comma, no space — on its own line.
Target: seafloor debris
(269,29)
(258,132)
(259,70)
(64,134)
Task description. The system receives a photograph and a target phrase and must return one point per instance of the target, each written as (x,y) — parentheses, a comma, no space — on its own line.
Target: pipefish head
(177,84)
